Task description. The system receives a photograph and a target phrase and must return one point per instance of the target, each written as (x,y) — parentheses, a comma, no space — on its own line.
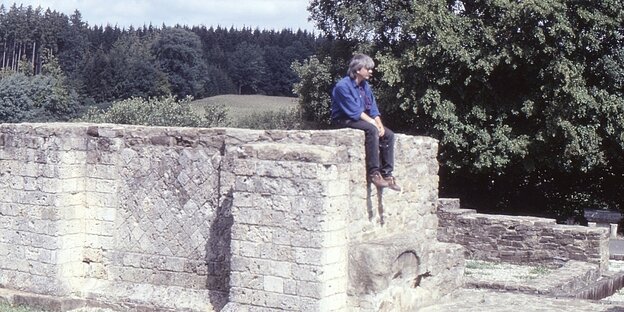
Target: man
(354,106)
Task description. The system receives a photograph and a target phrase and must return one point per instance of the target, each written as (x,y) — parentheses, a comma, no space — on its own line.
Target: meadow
(243,107)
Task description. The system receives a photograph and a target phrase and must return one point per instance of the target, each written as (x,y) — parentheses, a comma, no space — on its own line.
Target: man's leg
(386,150)
(371,147)
(371,142)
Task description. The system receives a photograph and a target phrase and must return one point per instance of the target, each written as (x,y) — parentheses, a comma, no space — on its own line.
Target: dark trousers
(379,150)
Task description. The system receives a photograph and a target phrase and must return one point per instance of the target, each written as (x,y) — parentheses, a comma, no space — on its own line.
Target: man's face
(365,73)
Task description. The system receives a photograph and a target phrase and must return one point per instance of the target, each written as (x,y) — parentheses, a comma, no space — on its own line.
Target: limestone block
(293,152)
(249,281)
(273,284)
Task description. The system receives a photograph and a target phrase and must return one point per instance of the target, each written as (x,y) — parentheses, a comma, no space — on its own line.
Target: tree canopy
(525,97)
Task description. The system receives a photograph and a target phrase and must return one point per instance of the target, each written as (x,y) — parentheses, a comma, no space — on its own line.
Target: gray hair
(357,62)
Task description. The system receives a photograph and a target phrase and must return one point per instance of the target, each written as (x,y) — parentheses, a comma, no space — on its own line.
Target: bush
(37,98)
(162,111)
(314,90)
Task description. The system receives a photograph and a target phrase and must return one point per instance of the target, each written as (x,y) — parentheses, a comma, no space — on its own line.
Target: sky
(262,14)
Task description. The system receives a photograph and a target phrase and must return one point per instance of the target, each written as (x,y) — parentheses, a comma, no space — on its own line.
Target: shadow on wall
(369,203)
(218,254)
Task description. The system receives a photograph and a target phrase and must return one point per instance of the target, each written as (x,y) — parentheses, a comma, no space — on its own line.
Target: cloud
(264,14)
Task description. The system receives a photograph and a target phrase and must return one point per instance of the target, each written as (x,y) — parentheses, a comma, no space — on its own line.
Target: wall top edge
(121,131)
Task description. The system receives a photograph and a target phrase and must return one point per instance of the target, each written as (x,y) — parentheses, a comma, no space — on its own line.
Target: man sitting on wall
(354,106)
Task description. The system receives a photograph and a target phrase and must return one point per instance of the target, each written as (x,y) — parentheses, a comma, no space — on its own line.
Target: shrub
(161,111)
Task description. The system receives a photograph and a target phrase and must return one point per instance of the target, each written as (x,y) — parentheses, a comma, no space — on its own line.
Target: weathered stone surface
(402,272)
(187,219)
(518,239)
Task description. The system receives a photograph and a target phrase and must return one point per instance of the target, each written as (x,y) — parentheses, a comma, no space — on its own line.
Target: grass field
(242,106)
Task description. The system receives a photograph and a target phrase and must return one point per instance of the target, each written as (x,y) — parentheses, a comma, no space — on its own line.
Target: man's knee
(388,134)
(369,128)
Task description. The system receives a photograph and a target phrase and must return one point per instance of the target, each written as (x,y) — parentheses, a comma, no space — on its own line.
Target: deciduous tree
(247,66)
(525,96)
(178,52)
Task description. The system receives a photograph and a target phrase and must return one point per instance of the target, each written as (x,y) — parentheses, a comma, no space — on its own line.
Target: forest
(80,65)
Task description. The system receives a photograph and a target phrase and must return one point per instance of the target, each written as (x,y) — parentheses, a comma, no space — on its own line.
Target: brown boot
(392,183)
(378,180)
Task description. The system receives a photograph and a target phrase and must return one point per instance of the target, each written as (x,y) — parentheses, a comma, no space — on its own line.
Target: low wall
(518,239)
(130,217)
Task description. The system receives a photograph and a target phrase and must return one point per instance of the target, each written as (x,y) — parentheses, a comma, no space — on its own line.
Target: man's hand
(380,126)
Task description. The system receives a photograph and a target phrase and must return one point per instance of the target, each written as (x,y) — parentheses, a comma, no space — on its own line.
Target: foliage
(247,66)
(280,78)
(73,44)
(44,97)
(218,82)
(106,63)
(525,96)
(178,53)
(161,111)
(16,101)
(128,70)
(314,90)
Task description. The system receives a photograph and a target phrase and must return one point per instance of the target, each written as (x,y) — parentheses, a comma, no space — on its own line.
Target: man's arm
(375,121)
(380,126)
(346,102)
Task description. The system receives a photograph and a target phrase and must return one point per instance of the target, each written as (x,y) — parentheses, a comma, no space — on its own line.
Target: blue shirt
(349,100)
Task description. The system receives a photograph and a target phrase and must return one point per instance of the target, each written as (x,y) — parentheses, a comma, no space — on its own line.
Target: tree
(522,94)
(73,45)
(178,53)
(313,90)
(44,97)
(106,63)
(98,76)
(16,101)
(53,97)
(247,66)
(218,82)
(135,71)
(279,77)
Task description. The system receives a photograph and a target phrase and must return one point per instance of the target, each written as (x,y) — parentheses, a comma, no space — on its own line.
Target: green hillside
(243,106)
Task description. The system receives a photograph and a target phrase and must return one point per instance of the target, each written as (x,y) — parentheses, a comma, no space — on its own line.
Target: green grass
(243,106)
(5,307)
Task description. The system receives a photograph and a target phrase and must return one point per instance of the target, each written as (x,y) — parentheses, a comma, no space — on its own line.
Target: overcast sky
(263,14)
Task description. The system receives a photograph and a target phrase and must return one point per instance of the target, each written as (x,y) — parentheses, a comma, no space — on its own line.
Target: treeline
(105,63)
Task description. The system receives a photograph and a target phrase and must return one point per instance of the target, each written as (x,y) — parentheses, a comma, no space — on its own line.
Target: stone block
(293,152)
(273,284)
(247,280)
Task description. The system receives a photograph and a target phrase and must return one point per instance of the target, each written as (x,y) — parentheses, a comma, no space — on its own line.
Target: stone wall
(132,217)
(518,239)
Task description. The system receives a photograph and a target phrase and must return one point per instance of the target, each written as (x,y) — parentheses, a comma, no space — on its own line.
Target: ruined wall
(181,218)
(519,239)
(108,212)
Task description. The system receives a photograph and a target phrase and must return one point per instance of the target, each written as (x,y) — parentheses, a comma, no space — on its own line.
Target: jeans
(379,150)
